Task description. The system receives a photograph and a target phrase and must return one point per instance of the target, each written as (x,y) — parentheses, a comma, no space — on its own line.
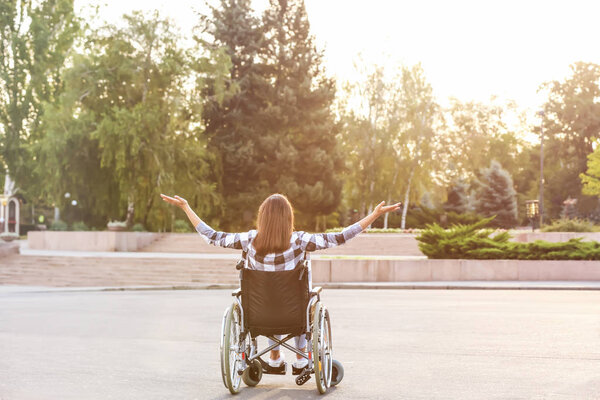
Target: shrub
(80,226)
(138,228)
(181,226)
(571,225)
(58,225)
(476,242)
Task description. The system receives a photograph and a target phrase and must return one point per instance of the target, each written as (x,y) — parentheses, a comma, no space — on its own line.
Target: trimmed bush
(80,226)
(571,225)
(58,225)
(181,226)
(477,242)
(138,228)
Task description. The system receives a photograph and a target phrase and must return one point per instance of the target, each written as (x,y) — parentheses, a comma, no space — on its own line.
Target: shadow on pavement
(272,392)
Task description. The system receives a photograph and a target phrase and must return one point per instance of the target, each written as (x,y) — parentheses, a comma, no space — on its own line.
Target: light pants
(300,341)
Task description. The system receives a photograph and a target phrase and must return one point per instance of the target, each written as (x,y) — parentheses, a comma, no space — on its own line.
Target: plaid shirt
(300,243)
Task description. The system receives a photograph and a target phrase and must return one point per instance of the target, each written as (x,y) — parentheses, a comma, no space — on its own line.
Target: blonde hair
(275,224)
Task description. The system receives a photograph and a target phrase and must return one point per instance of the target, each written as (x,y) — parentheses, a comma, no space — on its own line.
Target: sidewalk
(471,285)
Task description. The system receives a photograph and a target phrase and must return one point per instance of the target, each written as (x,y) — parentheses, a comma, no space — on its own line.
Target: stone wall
(90,241)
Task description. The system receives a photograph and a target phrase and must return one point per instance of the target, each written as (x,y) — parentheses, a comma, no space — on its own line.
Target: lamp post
(541,205)
(532,209)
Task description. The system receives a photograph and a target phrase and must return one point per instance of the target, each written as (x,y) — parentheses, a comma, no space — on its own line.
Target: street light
(533,211)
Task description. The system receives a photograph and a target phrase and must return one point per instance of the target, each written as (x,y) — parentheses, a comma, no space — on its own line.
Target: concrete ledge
(90,241)
(453,270)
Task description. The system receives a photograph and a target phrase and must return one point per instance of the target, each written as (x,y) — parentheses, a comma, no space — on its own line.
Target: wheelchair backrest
(275,303)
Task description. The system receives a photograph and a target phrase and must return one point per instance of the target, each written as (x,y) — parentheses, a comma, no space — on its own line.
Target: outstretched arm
(319,241)
(223,239)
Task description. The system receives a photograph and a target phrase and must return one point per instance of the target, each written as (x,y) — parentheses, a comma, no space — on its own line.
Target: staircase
(57,271)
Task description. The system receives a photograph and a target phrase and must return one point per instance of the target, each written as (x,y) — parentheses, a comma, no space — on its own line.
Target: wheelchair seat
(274,303)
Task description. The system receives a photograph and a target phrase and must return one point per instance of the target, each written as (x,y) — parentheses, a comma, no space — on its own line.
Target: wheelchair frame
(240,357)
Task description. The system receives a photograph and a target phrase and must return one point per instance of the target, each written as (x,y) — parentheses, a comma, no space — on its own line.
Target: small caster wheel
(252,374)
(337,372)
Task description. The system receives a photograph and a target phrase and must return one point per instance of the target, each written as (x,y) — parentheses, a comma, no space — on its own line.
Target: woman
(275,246)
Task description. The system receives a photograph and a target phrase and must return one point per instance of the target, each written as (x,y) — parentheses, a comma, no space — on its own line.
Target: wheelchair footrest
(267,369)
(303,377)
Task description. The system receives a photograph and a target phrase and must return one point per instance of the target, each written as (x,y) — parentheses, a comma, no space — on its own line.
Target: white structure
(9,209)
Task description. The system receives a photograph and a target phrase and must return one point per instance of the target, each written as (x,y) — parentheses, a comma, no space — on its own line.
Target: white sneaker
(301,363)
(276,363)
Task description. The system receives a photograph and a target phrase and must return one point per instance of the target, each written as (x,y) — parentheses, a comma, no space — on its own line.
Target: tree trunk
(406,197)
(389,199)
(148,207)
(130,209)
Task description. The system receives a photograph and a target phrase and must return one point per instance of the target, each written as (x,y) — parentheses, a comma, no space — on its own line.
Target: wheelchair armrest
(237,292)
(316,291)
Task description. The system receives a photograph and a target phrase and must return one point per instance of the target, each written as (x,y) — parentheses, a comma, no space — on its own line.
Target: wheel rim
(318,351)
(327,349)
(230,356)
(234,357)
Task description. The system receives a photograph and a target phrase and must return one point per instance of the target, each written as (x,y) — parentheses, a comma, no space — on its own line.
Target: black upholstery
(275,303)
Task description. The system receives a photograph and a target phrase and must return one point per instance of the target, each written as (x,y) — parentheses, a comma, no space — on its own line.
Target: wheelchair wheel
(322,353)
(337,372)
(231,358)
(253,373)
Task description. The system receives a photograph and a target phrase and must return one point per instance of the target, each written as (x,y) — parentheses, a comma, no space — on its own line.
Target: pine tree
(458,197)
(496,196)
(236,125)
(306,161)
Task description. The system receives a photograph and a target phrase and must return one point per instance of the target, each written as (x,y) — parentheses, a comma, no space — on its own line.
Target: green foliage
(35,38)
(458,197)
(591,178)
(58,225)
(80,226)
(571,225)
(276,129)
(495,195)
(420,217)
(138,228)
(181,226)
(128,121)
(477,242)
(571,125)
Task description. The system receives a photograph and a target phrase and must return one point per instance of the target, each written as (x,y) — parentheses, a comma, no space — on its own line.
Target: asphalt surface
(394,344)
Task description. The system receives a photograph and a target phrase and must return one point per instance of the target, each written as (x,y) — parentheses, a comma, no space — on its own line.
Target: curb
(458,285)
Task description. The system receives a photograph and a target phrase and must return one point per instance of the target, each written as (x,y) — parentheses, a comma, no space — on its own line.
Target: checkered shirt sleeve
(319,241)
(224,239)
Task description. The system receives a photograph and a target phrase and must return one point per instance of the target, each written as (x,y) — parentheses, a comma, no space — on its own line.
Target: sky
(470,50)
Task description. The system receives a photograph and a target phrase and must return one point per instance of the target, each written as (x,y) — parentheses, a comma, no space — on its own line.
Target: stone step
(365,244)
(89,271)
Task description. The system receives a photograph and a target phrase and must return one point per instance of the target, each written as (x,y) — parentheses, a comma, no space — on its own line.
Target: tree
(495,195)
(571,124)
(35,39)
(416,135)
(237,126)
(591,178)
(277,132)
(458,197)
(126,123)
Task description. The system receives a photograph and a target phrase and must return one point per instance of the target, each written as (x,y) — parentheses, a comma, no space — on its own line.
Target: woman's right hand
(176,200)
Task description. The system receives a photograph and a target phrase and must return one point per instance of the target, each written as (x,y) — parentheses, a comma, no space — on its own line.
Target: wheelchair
(276,303)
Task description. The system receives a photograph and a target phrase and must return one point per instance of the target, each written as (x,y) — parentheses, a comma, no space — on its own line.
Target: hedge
(474,241)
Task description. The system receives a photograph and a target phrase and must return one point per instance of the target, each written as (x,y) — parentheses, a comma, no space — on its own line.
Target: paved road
(395,344)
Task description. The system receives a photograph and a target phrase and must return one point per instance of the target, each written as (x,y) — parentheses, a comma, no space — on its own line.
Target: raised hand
(383,209)
(176,200)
